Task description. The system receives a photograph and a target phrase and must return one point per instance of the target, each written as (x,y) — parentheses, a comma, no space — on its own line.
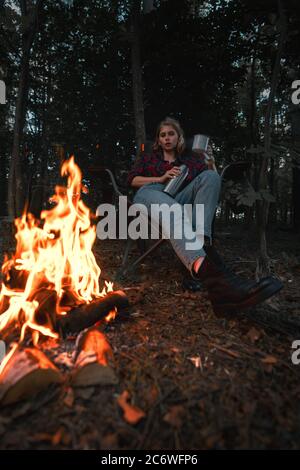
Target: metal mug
(200,143)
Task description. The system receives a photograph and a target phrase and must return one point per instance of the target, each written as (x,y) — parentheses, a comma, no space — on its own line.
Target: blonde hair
(177,128)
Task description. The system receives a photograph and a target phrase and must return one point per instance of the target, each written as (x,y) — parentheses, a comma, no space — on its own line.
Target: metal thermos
(173,186)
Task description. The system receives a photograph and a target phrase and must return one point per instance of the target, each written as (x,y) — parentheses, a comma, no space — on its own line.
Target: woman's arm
(139,181)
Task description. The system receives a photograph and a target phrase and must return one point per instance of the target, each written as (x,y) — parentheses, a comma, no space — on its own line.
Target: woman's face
(168,138)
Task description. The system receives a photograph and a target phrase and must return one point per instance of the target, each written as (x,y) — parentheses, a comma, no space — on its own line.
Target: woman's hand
(210,159)
(210,153)
(170,174)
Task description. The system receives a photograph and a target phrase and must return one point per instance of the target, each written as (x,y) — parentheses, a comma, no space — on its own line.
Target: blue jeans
(204,189)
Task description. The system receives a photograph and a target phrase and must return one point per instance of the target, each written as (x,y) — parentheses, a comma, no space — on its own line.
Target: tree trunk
(137,81)
(16,183)
(263,205)
(253,112)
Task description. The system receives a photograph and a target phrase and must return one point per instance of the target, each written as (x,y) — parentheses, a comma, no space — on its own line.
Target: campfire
(51,284)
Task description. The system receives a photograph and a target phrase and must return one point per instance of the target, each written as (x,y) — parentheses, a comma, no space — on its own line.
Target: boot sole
(264,293)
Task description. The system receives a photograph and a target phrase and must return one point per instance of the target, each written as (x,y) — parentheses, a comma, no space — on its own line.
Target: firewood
(69,300)
(4,304)
(14,278)
(27,372)
(45,314)
(93,360)
(87,315)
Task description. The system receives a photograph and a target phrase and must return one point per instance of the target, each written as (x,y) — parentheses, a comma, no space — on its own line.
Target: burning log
(93,360)
(26,372)
(87,315)
(45,314)
(51,286)
(13,278)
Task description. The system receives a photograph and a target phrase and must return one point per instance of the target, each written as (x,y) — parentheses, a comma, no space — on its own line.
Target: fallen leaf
(253,334)
(56,439)
(196,361)
(132,414)
(269,360)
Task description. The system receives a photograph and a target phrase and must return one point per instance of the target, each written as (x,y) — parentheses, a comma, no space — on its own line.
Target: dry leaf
(56,439)
(269,360)
(132,414)
(253,334)
(196,361)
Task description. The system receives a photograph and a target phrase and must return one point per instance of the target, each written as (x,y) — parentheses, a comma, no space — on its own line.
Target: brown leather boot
(229,292)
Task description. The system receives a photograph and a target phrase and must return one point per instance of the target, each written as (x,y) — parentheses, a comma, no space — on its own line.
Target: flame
(111,315)
(53,264)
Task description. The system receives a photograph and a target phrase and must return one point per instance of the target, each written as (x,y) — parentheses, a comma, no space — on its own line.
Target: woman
(201,186)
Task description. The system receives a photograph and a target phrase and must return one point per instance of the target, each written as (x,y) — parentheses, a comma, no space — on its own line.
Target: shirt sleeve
(196,164)
(138,169)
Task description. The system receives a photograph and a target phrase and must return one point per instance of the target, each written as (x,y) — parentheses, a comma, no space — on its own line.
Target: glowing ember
(54,268)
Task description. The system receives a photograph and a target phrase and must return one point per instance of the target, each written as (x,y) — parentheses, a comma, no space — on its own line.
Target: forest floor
(202,381)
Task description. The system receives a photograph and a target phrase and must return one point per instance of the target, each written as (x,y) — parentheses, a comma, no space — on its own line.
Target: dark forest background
(94,77)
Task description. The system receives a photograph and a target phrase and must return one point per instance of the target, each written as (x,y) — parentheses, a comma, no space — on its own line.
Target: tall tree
(263,204)
(29,25)
(137,75)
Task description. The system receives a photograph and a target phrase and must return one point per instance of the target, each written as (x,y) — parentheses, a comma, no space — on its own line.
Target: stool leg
(126,252)
(122,269)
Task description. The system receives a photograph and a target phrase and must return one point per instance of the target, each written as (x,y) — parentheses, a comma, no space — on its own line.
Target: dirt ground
(196,380)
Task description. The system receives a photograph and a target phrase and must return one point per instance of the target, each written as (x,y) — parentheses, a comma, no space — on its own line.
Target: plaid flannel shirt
(154,165)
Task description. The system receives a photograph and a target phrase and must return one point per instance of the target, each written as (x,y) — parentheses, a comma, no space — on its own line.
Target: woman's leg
(151,194)
(227,291)
(204,189)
